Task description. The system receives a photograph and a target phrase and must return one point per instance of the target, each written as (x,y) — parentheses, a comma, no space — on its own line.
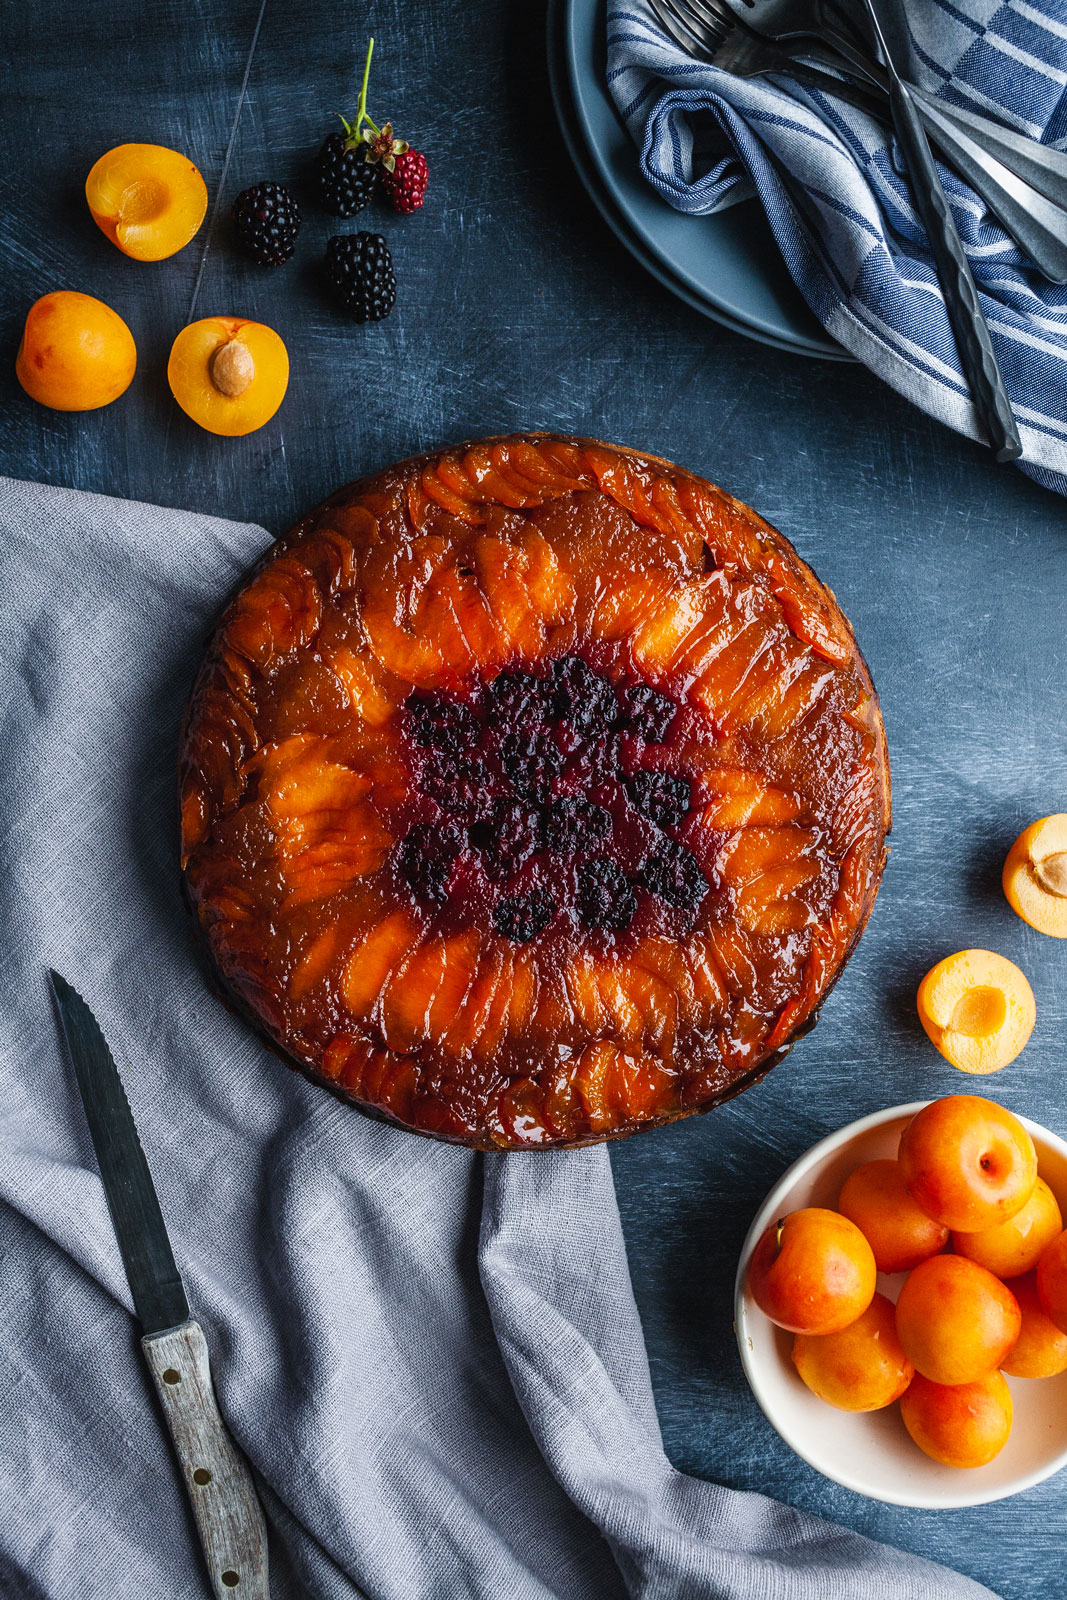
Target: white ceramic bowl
(871,1452)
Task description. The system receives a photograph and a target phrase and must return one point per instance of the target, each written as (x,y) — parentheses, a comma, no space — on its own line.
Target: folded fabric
(431,1358)
(840,207)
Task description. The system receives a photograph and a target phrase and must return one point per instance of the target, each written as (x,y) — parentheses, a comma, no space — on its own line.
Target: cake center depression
(532,792)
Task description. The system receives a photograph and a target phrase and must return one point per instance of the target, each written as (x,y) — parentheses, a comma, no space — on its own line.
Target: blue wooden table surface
(518,309)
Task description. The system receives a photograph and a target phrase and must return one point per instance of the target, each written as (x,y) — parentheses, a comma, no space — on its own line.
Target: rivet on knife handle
(224,1500)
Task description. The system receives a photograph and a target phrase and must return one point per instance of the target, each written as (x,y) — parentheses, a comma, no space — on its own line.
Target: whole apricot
(1035,875)
(1040,1351)
(955,1321)
(76,353)
(967,1162)
(965,1425)
(1015,1246)
(148,200)
(228,374)
(978,1009)
(1052,1281)
(812,1272)
(861,1368)
(896,1228)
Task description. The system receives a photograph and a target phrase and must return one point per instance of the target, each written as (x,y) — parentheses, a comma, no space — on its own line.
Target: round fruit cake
(533,792)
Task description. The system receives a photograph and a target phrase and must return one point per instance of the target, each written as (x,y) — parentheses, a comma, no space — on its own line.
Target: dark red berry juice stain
(548,805)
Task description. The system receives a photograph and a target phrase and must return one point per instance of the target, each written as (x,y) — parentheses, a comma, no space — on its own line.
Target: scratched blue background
(518,309)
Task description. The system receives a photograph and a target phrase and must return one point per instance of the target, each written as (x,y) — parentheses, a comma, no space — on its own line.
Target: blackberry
(266,220)
(458,780)
(576,824)
(673,873)
(440,724)
(661,796)
(523,916)
(531,760)
(426,858)
(581,696)
(508,838)
(646,712)
(595,761)
(518,698)
(345,178)
(360,272)
(605,897)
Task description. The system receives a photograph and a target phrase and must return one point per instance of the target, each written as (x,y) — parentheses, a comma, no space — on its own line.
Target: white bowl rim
(811,1159)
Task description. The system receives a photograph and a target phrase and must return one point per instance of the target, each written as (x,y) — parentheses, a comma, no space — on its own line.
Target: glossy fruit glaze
(533,792)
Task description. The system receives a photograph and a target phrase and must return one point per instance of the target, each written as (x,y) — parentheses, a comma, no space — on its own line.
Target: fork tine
(682,32)
(712,14)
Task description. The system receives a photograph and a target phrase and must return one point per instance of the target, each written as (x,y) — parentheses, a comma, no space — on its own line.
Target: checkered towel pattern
(840,208)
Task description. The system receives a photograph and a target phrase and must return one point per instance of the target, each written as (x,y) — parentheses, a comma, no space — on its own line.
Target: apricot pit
(1035,875)
(229,375)
(978,1009)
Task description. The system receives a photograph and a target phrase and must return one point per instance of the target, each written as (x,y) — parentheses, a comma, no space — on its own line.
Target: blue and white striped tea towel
(860,255)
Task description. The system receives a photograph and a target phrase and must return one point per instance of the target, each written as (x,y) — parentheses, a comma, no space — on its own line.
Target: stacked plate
(726,266)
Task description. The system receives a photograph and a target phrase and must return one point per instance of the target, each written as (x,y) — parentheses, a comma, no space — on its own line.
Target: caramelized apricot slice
(229,375)
(150,201)
(76,353)
(1035,875)
(978,1009)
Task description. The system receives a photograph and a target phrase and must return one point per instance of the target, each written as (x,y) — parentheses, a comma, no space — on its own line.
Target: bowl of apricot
(901,1304)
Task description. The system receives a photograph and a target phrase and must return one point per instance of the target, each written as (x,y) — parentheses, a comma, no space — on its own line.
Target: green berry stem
(361,114)
(353,130)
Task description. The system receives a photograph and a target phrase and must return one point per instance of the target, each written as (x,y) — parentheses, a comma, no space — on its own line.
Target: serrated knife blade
(229,1517)
(153,1276)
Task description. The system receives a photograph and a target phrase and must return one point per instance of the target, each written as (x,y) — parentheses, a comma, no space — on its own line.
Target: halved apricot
(229,375)
(149,200)
(76,353)
(1035,875)
(978,1009)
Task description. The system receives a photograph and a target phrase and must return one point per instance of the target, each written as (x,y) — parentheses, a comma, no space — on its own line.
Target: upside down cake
(533,791)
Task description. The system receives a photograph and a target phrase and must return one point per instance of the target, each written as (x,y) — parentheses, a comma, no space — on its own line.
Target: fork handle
(961,296)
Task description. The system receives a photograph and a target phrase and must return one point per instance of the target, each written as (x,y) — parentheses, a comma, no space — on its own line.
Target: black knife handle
(961,296)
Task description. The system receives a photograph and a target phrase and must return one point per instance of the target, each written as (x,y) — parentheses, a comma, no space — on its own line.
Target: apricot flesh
(978,1009)
(1015,1246)
(896,1228)
(812,1272)
(968,1162)
(76,353)
(1035,875)
(148,200)
(1040,1351)
(955,1321)
(860,1368)
(965,1425)
(1052,1281)
(228,374)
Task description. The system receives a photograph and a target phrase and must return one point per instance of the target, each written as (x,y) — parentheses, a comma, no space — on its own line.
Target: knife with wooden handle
(228,1514)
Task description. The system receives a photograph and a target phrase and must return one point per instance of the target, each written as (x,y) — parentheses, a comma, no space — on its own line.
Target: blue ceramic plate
(726,266)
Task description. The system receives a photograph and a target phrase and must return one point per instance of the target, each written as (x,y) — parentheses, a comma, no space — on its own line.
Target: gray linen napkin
(432,1359)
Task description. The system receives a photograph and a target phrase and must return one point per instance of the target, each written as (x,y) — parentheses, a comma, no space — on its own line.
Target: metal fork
(710,31)
(788,22)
